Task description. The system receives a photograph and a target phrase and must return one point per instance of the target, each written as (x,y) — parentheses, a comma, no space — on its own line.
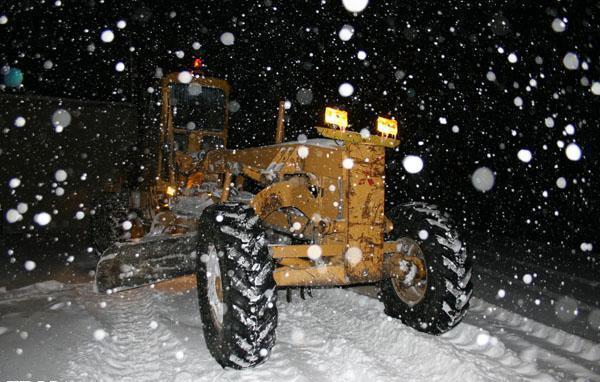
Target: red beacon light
(197,64)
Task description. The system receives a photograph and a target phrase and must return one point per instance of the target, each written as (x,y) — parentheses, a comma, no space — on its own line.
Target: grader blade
(152,259)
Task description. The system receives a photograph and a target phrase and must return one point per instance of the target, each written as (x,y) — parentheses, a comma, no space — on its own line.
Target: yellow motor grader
(306,213)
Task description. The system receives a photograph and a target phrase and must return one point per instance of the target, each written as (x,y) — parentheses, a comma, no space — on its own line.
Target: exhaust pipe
(280,132)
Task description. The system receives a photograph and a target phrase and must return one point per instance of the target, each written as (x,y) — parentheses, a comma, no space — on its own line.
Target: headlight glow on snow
(387,127)
(336,117)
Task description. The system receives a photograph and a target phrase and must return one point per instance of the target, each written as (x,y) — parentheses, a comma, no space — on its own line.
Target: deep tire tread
(250,318)
(449,270)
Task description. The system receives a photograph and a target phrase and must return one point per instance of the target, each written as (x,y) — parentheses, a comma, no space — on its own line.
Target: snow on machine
(291,214)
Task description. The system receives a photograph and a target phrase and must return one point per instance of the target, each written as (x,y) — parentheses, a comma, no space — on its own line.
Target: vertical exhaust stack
(280,133)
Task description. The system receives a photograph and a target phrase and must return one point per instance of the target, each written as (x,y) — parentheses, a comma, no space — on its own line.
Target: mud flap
(153,259)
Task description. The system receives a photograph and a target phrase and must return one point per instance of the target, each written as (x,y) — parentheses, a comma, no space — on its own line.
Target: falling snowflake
(348,163)
(524,155)
(60,175)
(354,255)
(346,89)
(14,182)
(573,152)
(107,36)
(227,39)
(346,33)
(314,252)
(30,265)
(19,122)
(61,118)
(571,61)
(558,25)
(302,152)
(100,334)
(483,179)
(412,164)
(184,77)
(42,219)
(355,6)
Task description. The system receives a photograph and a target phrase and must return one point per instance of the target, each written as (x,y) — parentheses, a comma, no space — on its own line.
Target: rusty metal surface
(311,276)
(286,251)
(280,132)
(366,218)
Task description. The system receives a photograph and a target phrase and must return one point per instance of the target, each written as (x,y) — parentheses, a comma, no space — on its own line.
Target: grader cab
(292,214)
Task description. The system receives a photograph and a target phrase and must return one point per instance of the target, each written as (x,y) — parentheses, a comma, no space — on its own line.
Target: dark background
(425,60)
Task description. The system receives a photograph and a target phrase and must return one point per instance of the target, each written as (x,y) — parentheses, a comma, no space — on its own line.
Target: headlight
(387,127)
(336,117)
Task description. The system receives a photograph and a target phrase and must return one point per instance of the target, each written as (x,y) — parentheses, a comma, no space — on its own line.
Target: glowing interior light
(170,191)
(387,127)
(336,117)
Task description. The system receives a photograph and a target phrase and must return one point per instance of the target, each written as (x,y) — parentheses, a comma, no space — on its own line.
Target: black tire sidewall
(222,339)
(428,315)
(214,334)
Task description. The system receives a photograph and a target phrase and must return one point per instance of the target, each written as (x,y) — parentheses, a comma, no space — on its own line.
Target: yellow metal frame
(352,137)
(342,207)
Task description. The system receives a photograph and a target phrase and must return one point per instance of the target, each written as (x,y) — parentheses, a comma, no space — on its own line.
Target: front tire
(236,289)
(440,301)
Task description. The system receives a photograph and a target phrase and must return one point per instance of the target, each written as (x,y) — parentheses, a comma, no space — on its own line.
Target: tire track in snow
(478,341)
(181,311)
(523,344)
(551,348)
(521,298)
(390,350)
(565,343)
(134,348)
(311,340)
(337,336)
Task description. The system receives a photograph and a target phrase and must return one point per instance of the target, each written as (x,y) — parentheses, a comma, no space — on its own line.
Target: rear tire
(236,289)
(441,303)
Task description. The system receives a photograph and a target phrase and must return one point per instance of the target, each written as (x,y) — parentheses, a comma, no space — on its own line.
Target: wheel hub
(410,289)
(215,286)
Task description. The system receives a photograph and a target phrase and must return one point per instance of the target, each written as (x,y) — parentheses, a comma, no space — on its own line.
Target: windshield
(197,107)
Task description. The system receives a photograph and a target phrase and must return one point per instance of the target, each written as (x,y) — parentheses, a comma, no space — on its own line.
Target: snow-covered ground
(62,332)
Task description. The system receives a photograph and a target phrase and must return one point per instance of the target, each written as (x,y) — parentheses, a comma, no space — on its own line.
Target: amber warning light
(336,117)
(197,63)
(387,127)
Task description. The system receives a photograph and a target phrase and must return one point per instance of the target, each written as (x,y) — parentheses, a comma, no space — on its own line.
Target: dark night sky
(425,61)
